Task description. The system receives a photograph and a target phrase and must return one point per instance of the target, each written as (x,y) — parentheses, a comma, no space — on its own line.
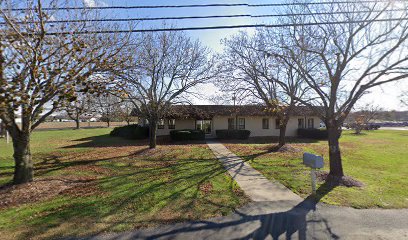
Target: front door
(204,125)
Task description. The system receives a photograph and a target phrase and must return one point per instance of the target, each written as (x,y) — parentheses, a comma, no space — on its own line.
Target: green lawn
(379,159)
(87,182)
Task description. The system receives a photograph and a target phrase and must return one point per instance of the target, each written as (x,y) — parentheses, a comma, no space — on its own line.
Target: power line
(198,5)
(203,17)
(221,27)
(137,19)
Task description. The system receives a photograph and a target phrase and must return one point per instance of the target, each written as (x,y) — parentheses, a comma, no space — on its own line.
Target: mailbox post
(314,162)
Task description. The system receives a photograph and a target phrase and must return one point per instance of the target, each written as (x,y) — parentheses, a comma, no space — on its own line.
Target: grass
(378,159)
(114,185)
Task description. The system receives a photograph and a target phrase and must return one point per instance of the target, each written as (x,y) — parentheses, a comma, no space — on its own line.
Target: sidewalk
(252,182)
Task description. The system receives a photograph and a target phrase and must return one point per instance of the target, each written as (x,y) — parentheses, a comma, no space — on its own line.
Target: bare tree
(166,67)
(126,112)
(41,66)
(356,46)
(80,108)
(108,107)
(404,99)
(361,119)
(253,69)
(228,98)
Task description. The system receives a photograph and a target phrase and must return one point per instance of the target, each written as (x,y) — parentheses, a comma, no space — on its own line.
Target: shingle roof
(209,111)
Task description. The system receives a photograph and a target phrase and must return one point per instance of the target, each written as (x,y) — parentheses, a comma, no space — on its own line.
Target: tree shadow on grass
(108,141)
(358,134)
(172,188)
(105,141)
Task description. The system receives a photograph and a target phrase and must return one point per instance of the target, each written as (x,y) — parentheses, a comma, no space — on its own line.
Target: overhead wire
(201,17)
(207,17)
(201,5)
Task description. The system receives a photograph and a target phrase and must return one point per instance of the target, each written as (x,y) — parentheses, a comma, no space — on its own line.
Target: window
(265,123)
(199,124)
(172,123)
(241,123)
(277,123)
(310,123)
(231,123)
(204,125)
(160,124)
(301,123)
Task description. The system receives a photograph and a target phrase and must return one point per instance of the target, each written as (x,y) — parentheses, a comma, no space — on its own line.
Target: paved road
(395,128)
(284,220)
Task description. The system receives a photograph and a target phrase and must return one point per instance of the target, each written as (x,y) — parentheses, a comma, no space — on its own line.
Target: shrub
(187,134)
(312,133)
(133,131)
(232,134)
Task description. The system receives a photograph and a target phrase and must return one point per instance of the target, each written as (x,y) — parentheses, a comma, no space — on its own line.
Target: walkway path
(252,182)
(277,213)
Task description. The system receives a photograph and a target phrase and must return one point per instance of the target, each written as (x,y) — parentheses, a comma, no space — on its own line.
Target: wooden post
(7,137)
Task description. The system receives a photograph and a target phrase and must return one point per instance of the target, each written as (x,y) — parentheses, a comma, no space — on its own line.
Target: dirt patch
(158,152)
(247,150)
(45,189)
(288,164)
(345,181)
(206,188)
(91,155)
(288,149)
(101,171)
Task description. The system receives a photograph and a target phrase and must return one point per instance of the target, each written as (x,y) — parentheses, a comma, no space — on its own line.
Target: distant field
(65,125)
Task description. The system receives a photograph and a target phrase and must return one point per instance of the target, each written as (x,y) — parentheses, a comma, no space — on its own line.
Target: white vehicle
(322,125)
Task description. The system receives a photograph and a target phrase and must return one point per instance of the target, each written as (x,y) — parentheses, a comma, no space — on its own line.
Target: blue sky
(385,96)
(210,38)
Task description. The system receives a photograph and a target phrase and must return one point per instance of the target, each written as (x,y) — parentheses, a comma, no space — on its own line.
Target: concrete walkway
(277,213)
(252,182)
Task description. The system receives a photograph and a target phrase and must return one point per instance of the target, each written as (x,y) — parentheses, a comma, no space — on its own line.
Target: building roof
(209,111)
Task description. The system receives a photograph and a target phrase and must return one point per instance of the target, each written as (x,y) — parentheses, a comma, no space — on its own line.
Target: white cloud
(94,3)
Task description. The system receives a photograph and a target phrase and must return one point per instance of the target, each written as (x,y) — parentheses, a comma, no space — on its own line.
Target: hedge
(133,131)
(187,134)
(232,134)
(312,133)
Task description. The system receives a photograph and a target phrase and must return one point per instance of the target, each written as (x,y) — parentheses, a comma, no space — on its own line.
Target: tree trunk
(108,122)
(77,124)
(152,133)
(358,129)
(282,133)
(336,166)
(23,169)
